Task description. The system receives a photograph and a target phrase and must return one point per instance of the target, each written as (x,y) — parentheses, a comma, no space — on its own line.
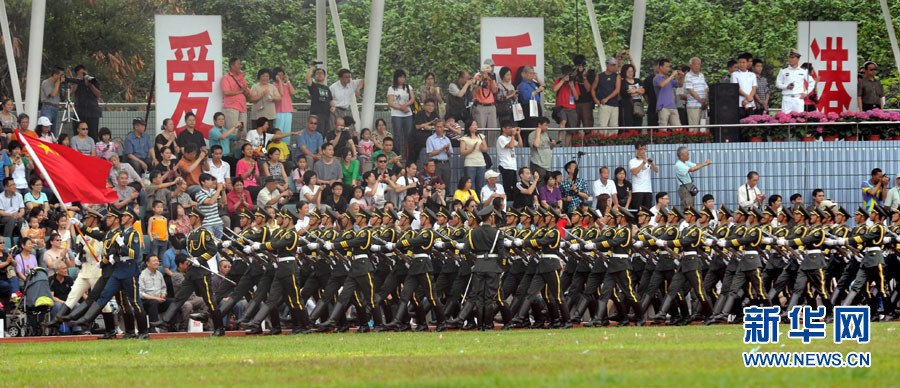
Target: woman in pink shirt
(247,169)
(284,109)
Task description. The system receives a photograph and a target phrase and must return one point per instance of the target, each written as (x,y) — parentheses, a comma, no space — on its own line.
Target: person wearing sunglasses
(870,93)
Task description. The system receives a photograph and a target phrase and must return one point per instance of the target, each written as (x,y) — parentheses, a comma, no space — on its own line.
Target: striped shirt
(697,83)
(762,88)
(210,212)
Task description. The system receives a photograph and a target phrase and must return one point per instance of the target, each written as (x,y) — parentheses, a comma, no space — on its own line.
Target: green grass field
(637,356)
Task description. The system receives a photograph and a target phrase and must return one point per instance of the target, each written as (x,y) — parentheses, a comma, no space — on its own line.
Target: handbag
(533,108)
(518,112)
(691,187)
(638,109)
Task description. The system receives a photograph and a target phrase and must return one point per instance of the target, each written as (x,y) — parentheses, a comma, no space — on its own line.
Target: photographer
(87,94)
(425,122)
(642,187)
(566,94)
(484,88)
(50,89)
(189,165)
(584,105)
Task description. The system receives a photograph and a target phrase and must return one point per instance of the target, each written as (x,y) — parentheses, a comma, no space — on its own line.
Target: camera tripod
(69,115)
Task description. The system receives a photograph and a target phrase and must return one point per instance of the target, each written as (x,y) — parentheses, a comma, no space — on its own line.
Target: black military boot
(592,307)
(600,318)
(722,316)
(457,323)
(578,310)
(254,325)
(660,316)
(331,323)
(128,322)
(421,319)
(143,330)
(88,317)
(218,325)
(226,307)
(638,314)
(249,312)
(400,320)
(75,313)
(684,313)
(850,298)
(62,311)
(565,320)
(109,323)
(275,321)
(451,308)
(319,312)
(541,311)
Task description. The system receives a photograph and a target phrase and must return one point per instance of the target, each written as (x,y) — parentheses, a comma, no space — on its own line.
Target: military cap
(552,212)
(769,211)
(862,211)
(458,214)
(588,213)
(800,210)
(643,211)
(405,213)
(794,53)
(818,213)
(92,213)
(705,211)
(841,210)
(288,213)
(881,210)
(442,212)
(675,212)
(691,211)
(622,212)
(430,214)
(512,213)
(346,214)
(391,213)
(364,213)
(575,212)
(261,212)
(111,212)
(740,211)
(330,214)
(753,211)
(245,214)
(726,211)
(527,212)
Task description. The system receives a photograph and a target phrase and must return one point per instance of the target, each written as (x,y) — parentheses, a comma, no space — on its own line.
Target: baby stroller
(33,309)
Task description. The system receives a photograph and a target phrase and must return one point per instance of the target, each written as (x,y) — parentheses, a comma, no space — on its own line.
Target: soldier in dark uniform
(788,275)
(256,266)
(106,235)
(812,270)
(358,286)
(872,266)
(777,262)
(618,271)
(417,246)
(284,244)
(661,279)
(581,295)
(201,248)
(486,243)
(688,272)
(852,263)
(447,226)
(748,268)
(123,251)
(717,264)
(518,263)
(738,230)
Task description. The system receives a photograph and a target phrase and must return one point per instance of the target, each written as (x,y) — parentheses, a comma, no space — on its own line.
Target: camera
(316,63)
(649,160)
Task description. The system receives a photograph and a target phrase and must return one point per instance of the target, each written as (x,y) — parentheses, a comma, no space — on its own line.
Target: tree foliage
(115,37)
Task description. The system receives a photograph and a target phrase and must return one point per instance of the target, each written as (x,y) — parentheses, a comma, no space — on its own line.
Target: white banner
(831,49)
(513,42)
(188,66)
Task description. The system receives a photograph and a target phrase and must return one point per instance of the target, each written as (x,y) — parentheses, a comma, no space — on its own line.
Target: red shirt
(564,97)
(232,82)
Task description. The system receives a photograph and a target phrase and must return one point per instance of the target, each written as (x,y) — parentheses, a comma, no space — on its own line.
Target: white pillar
(373,53)
(10,59)
(637,34)
(890,29)
(321,33)
(342,51)
(595,29)
(35,50)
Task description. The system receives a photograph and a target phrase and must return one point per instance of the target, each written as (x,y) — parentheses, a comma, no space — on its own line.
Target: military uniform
(618,271)
(486,243)
(872,267)
(812,270)
(748,271)
(688,272)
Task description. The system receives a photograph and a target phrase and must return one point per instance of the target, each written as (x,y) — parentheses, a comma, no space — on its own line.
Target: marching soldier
(661,279)
(717,265)
(618,271)
(123,250)
(788,276)
(872,266)
(812,269)
(98,238)
(748,270)
(688,271)
(201,247)
(417,245)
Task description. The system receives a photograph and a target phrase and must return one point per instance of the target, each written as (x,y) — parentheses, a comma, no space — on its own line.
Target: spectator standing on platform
(683,169)
(642,187)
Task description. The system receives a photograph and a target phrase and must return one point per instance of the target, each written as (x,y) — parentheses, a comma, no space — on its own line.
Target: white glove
(248,249)
(440,244)
(375,248)
(887,240)
(574,247)
(841,241)
(660,243)
(120,241)
(226,244)
(638,244)
(389,246)
(782,242)
(195,262)
(77,262)
(507,242)
(256,246)
(829,242)
(312,246)
(518,242)
(590,246)
(708,242)
(77,222)
(767,240)
(112,259)
(460,245)
(328,246)
(721,243)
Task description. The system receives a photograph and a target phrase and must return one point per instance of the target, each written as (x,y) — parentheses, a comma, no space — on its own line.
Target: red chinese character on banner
(835,97)
(190,61)
(514,60)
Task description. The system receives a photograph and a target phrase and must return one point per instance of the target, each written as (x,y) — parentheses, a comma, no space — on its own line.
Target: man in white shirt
(270,196)
(641,185)
(219,168)
(345,91)
(746,81)
(795,84)
(749,194)
(491,189)
(662,202)
(439,149)
(696,88)
(12,207)
(893,196)
(153,289)
(604,185)
(509,139)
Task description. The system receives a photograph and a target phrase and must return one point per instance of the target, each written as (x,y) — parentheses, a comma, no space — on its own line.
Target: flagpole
(46,177)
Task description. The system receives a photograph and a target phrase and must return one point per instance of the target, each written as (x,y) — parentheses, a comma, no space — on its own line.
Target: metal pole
(373,54)
(321,34)
(637,35)
(35,50)
(342,51)
(595,29)
(10,59)
(891,34)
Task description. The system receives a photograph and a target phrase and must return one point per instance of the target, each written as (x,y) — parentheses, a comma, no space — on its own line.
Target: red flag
(74,176)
